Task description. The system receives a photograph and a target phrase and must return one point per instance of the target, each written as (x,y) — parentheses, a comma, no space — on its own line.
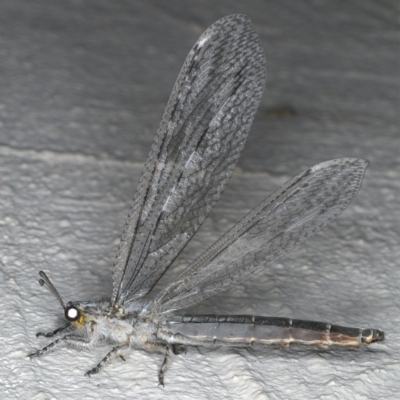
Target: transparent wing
(288,217)
(196,148)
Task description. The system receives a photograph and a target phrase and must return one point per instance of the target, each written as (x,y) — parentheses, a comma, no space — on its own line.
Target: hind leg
(163,367)
(178,349)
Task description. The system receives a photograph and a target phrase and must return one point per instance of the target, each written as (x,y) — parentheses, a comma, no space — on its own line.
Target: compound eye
(72,313)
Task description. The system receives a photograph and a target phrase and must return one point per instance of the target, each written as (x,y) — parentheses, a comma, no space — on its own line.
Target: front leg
(54,333)
(106,359)
(73,339)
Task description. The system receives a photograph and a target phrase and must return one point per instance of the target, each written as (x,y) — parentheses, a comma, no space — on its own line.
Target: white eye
(71,313)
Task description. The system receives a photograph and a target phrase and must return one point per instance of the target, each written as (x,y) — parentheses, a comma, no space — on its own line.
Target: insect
(199,140)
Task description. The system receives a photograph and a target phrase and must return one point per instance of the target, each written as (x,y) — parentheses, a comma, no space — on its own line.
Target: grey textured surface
(83,87)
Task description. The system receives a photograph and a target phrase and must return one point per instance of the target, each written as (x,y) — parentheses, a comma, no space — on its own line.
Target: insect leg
(75,339)
(178,349)
(163,367)
(54,333)
(105,360)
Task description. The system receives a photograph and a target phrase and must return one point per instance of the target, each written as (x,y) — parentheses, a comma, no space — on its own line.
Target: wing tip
(238,19)
(243,17)
(345,161)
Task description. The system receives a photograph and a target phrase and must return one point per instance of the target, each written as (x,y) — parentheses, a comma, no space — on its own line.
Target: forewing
(196,148)
(288,217)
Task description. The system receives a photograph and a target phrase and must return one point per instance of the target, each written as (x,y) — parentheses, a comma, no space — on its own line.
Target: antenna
(45,281)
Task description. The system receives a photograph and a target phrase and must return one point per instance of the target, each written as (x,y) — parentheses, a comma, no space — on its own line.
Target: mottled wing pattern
(288,217)
(196,148)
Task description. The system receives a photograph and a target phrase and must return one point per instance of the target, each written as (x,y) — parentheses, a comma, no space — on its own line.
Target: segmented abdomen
(246,330)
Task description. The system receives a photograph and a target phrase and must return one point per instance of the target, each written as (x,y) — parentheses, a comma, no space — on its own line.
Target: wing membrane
(288,217)
(193,155)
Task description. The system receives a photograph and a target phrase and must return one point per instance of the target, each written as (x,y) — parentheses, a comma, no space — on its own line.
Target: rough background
(83,85)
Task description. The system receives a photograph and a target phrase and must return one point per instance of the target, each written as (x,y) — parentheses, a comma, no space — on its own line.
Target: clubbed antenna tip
(45,281)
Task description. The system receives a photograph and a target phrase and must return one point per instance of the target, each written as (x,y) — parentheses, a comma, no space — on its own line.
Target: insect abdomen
(246,330)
